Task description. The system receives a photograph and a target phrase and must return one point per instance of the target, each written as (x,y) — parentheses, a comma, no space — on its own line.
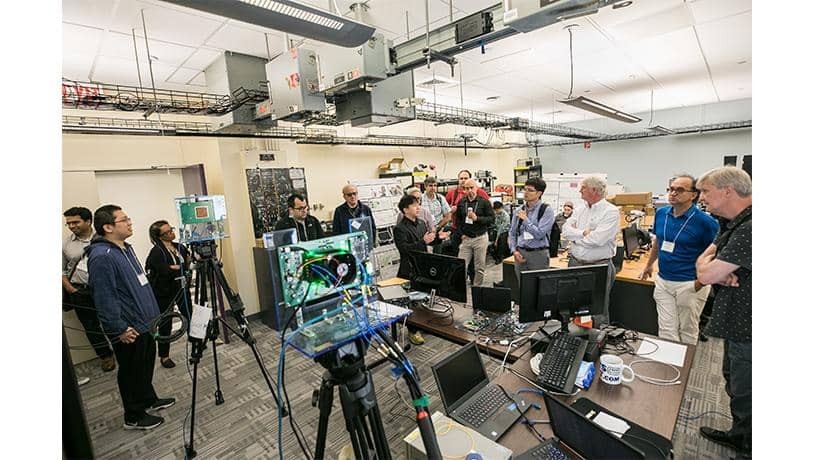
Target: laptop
(573,431)
(490,299)
(470,398)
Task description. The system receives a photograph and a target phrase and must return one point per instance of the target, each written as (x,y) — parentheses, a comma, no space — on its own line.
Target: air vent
(438,82)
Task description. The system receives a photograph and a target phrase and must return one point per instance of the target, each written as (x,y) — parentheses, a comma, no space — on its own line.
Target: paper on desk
(667,352)
(615,425)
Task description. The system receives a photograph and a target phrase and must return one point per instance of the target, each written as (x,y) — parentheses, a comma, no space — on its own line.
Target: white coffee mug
(612,368)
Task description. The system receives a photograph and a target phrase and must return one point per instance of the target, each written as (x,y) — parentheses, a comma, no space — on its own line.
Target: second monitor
(562,293)
(446,274)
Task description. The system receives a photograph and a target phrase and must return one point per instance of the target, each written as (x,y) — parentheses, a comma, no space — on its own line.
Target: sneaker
(148,422)
(108,364)
(162,404)
(168,363)
(83,380)
(416,338)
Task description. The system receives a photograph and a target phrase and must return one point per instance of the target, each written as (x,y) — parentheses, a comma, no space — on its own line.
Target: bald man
(474,215)
(351,209)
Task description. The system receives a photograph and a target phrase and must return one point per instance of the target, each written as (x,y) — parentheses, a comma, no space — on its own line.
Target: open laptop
(470,398)
(586,438)
(494,300)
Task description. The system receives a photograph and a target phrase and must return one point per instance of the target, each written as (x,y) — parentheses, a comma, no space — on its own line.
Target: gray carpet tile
(246,425)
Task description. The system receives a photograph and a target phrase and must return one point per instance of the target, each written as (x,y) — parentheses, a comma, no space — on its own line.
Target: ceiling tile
(182,75)
(669,57)
(726,41)
(711,10)
(660,22)
(202,58)
(235,37)
(182,26)
(91,13)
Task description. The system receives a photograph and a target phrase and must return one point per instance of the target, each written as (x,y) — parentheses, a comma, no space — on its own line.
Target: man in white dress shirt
(592,230)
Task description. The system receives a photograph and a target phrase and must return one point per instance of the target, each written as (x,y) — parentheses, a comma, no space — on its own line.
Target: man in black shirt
(726,263)
(351,209)
(474,216)
(308,227)
(411,234)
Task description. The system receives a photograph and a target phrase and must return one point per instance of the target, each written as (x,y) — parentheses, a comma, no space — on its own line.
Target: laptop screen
(458,374)
(584,436)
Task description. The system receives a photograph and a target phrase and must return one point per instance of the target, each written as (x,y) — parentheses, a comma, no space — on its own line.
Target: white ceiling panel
(726,41)
(711,10)
(243,40)
(92,13)
(690,91)
(164,23)
(80,40)
(202,58)
(123,72)
(182,75)
(660,22)
(670,56)
(121,45)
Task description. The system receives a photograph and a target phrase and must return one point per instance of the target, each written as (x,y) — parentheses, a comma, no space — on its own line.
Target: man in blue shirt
(126,307)
(682,232)
(529,234)
(353,208)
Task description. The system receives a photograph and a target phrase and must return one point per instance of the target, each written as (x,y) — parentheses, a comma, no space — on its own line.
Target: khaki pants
(476,249)
(678,309)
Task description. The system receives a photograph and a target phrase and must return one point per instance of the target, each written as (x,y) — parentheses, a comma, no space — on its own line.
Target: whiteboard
(565,187)
(382,196)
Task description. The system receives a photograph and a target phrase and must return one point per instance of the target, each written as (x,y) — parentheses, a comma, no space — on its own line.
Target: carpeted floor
(246,425)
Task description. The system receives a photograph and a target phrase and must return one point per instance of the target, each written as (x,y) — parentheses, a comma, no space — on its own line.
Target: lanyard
(666,235)
(130,263)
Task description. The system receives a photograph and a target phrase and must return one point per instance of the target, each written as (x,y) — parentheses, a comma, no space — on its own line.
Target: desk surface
(629,273)
(651,406)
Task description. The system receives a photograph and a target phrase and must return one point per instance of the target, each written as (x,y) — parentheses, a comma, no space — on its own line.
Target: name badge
(667,246)
(527,236)
(355,225)
(142,279)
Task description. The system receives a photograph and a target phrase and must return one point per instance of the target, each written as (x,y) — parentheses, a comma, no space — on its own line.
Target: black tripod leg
(360,440)
(213,334)
(378,431)
(189,451)
(266,377)
(324,404)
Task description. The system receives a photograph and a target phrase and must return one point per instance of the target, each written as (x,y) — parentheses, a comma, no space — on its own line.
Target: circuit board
(314,269)
(344,325)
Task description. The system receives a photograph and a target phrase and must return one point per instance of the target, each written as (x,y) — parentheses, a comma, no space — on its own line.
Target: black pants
(135,376)
(166,326)
(737,373)
(86,312)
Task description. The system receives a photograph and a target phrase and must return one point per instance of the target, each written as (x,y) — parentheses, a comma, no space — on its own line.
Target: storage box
(642,198)
(455,440)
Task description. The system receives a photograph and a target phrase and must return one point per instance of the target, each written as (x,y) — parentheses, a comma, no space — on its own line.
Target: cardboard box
(395,165)
(642,198)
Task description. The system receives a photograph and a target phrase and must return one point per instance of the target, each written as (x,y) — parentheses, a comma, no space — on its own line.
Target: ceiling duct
(232,72)
(378,106)
(293,87)
(288,16)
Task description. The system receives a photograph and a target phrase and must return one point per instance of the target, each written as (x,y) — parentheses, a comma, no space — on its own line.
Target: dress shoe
(703,337)
(721,437)
(108,364)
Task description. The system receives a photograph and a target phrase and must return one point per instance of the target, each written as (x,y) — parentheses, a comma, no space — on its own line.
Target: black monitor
(562,293)
(446,274)
(631,242)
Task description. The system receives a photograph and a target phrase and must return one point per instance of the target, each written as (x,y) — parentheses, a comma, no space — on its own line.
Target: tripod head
(206,258)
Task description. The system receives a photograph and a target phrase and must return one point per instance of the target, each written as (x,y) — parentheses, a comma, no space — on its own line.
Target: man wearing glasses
(351,209)
(435,203)
(126,307)
(75,281)
(307,225)
(682,232)
(529,234)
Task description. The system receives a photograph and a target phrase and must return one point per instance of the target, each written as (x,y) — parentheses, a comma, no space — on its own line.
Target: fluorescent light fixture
(661,130)
(596,107)
(288,16)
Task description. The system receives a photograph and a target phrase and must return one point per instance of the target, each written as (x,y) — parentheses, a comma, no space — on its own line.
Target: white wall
(645,165)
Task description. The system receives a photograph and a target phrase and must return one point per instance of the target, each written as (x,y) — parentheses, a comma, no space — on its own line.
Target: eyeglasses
(126,219)
(301,208)
(167,232)
(73,223)
(350,194)
(677,190)
(530,189)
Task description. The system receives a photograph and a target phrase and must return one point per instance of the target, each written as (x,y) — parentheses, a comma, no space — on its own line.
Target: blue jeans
(737,374)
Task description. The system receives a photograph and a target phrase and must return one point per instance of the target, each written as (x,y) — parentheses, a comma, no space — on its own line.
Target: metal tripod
(346,370)
(209,276)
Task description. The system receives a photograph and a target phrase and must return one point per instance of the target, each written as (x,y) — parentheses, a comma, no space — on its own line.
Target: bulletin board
(565,187)
(382,196)
(268,190)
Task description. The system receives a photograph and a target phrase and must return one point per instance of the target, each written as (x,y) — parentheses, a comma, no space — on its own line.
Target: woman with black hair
(167,262)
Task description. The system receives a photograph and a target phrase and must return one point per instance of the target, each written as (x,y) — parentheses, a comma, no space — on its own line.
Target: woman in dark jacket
(164,270)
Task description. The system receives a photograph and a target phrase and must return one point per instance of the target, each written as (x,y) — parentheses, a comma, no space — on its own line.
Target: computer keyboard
(483,407)
(548,450)
(561,361)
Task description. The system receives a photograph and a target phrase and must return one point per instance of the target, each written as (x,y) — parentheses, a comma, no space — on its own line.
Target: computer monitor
(562,293)
(446,274)
(631,243)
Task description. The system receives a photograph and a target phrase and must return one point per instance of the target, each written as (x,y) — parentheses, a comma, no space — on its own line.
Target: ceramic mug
(612,370)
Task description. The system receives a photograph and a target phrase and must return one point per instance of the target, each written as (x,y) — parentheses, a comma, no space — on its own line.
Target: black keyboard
(548,450)
(560,363)
(483,407)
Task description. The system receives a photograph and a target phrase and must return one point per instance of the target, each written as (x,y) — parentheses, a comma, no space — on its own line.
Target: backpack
(555,231)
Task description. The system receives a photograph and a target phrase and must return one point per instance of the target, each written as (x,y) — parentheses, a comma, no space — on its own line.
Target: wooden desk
(651,406)
(439,325)
(630,302)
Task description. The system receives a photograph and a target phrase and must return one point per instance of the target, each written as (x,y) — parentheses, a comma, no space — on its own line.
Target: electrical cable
(524,418)
(695,417)
(654,380)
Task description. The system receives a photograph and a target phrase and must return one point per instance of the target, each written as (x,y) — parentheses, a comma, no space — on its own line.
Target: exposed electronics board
(313,269)
(268,190)
(343,325)
(201,217)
